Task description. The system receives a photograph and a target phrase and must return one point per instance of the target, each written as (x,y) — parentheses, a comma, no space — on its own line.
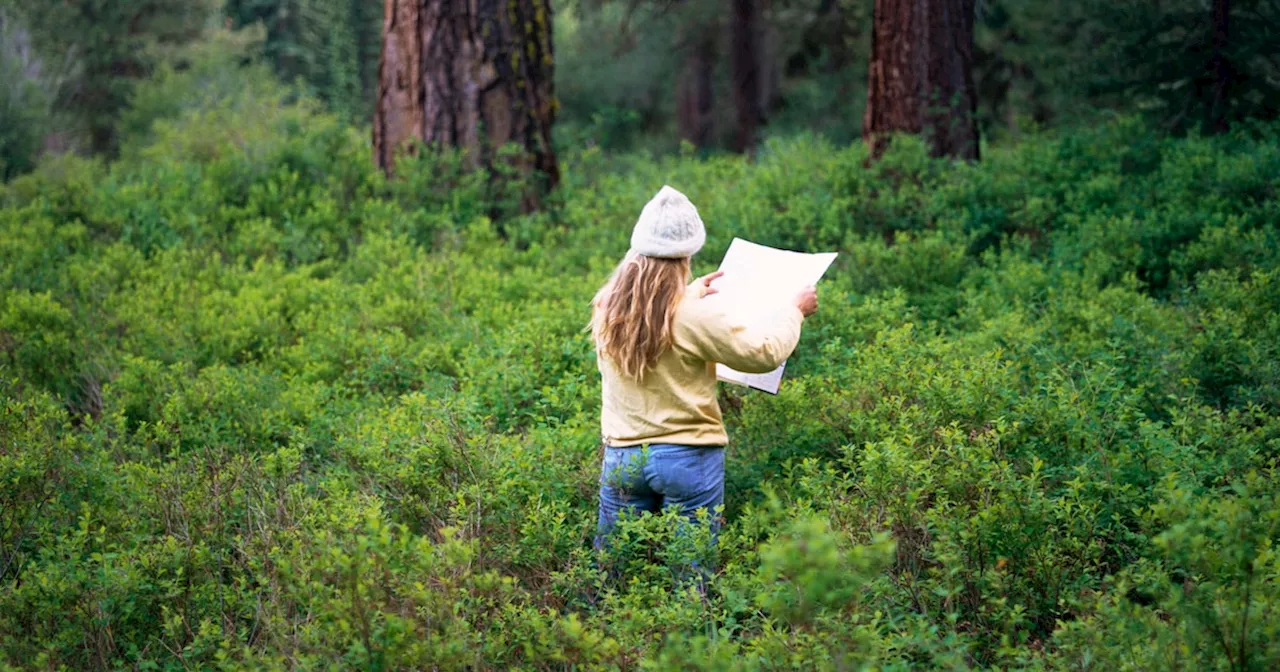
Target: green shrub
(263,407)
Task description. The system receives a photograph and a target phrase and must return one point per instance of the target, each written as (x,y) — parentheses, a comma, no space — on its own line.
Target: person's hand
(807,301)
(705,283)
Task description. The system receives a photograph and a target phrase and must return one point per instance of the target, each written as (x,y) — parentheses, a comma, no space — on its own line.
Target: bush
(264,408)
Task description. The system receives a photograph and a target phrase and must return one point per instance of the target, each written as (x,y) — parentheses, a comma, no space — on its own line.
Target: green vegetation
(101,48)
(263,408)
(329,47)
(1038,63)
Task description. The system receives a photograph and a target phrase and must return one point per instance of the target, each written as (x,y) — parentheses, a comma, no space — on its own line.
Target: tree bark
(1220,68)
(770,61)
(398,108)
(745,61)
(695,94)
(470,74)
(920,79)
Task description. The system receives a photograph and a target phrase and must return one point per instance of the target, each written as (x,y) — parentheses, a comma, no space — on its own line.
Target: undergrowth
(263,408)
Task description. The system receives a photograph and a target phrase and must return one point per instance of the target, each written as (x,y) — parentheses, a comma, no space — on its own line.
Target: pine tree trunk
(770,61)
(398,110)
(470,74)
(695,94)
(1216,117)
(920,78)
(746,40)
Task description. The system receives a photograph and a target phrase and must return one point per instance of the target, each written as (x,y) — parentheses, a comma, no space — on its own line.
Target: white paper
(757,281)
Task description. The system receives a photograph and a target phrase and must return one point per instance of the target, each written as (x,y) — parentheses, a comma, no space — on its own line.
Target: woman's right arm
(762,346)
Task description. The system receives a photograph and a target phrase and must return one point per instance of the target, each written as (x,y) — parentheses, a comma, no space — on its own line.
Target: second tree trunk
(471,74)
(746,41)
(920,78)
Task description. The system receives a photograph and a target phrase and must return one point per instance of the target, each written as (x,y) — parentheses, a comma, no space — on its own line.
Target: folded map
(757,281)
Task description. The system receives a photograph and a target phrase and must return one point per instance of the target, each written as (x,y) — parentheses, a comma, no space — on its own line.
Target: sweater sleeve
(711,333)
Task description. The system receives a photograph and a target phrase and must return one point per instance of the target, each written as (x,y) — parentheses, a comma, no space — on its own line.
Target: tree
(746,39)
(1215,120)
(695,97)
(1186,63)
(25,105)
(695,93)
(475,75)
(112,44)
(920,78)
(329,46)
(1020,50)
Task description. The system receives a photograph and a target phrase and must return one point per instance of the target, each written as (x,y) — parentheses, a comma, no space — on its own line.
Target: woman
(658,339)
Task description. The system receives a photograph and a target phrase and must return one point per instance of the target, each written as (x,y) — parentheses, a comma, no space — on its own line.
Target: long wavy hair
(632,314)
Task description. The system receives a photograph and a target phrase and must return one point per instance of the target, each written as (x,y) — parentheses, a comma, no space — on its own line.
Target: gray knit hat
(669,227)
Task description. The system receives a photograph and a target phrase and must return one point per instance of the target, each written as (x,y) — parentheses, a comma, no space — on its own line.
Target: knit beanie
(669,227)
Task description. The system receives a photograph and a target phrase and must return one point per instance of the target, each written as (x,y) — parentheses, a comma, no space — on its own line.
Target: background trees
(106,46)
(1186,63)
(25,102)
(330,47)
(720,74)
(747,39)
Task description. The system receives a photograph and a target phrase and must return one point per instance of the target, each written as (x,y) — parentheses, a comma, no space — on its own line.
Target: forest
(295,374)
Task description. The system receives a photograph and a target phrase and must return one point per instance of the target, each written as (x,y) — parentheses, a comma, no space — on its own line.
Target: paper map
(757,280)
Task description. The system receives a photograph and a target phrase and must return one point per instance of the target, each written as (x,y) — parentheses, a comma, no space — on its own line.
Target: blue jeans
(660,476)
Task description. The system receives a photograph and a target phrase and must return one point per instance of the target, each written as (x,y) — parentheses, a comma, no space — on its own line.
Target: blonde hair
(633,312)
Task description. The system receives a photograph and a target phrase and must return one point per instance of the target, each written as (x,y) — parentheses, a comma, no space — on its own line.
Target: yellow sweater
(676,401)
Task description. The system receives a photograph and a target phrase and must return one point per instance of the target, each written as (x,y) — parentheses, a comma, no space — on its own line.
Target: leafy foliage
(25,103)
(1161,57)
(113,43)
(330,46)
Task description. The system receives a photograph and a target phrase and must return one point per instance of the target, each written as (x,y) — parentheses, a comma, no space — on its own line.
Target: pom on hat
(669,227)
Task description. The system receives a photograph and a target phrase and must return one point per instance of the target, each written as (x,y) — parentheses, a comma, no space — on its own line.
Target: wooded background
(720,75)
